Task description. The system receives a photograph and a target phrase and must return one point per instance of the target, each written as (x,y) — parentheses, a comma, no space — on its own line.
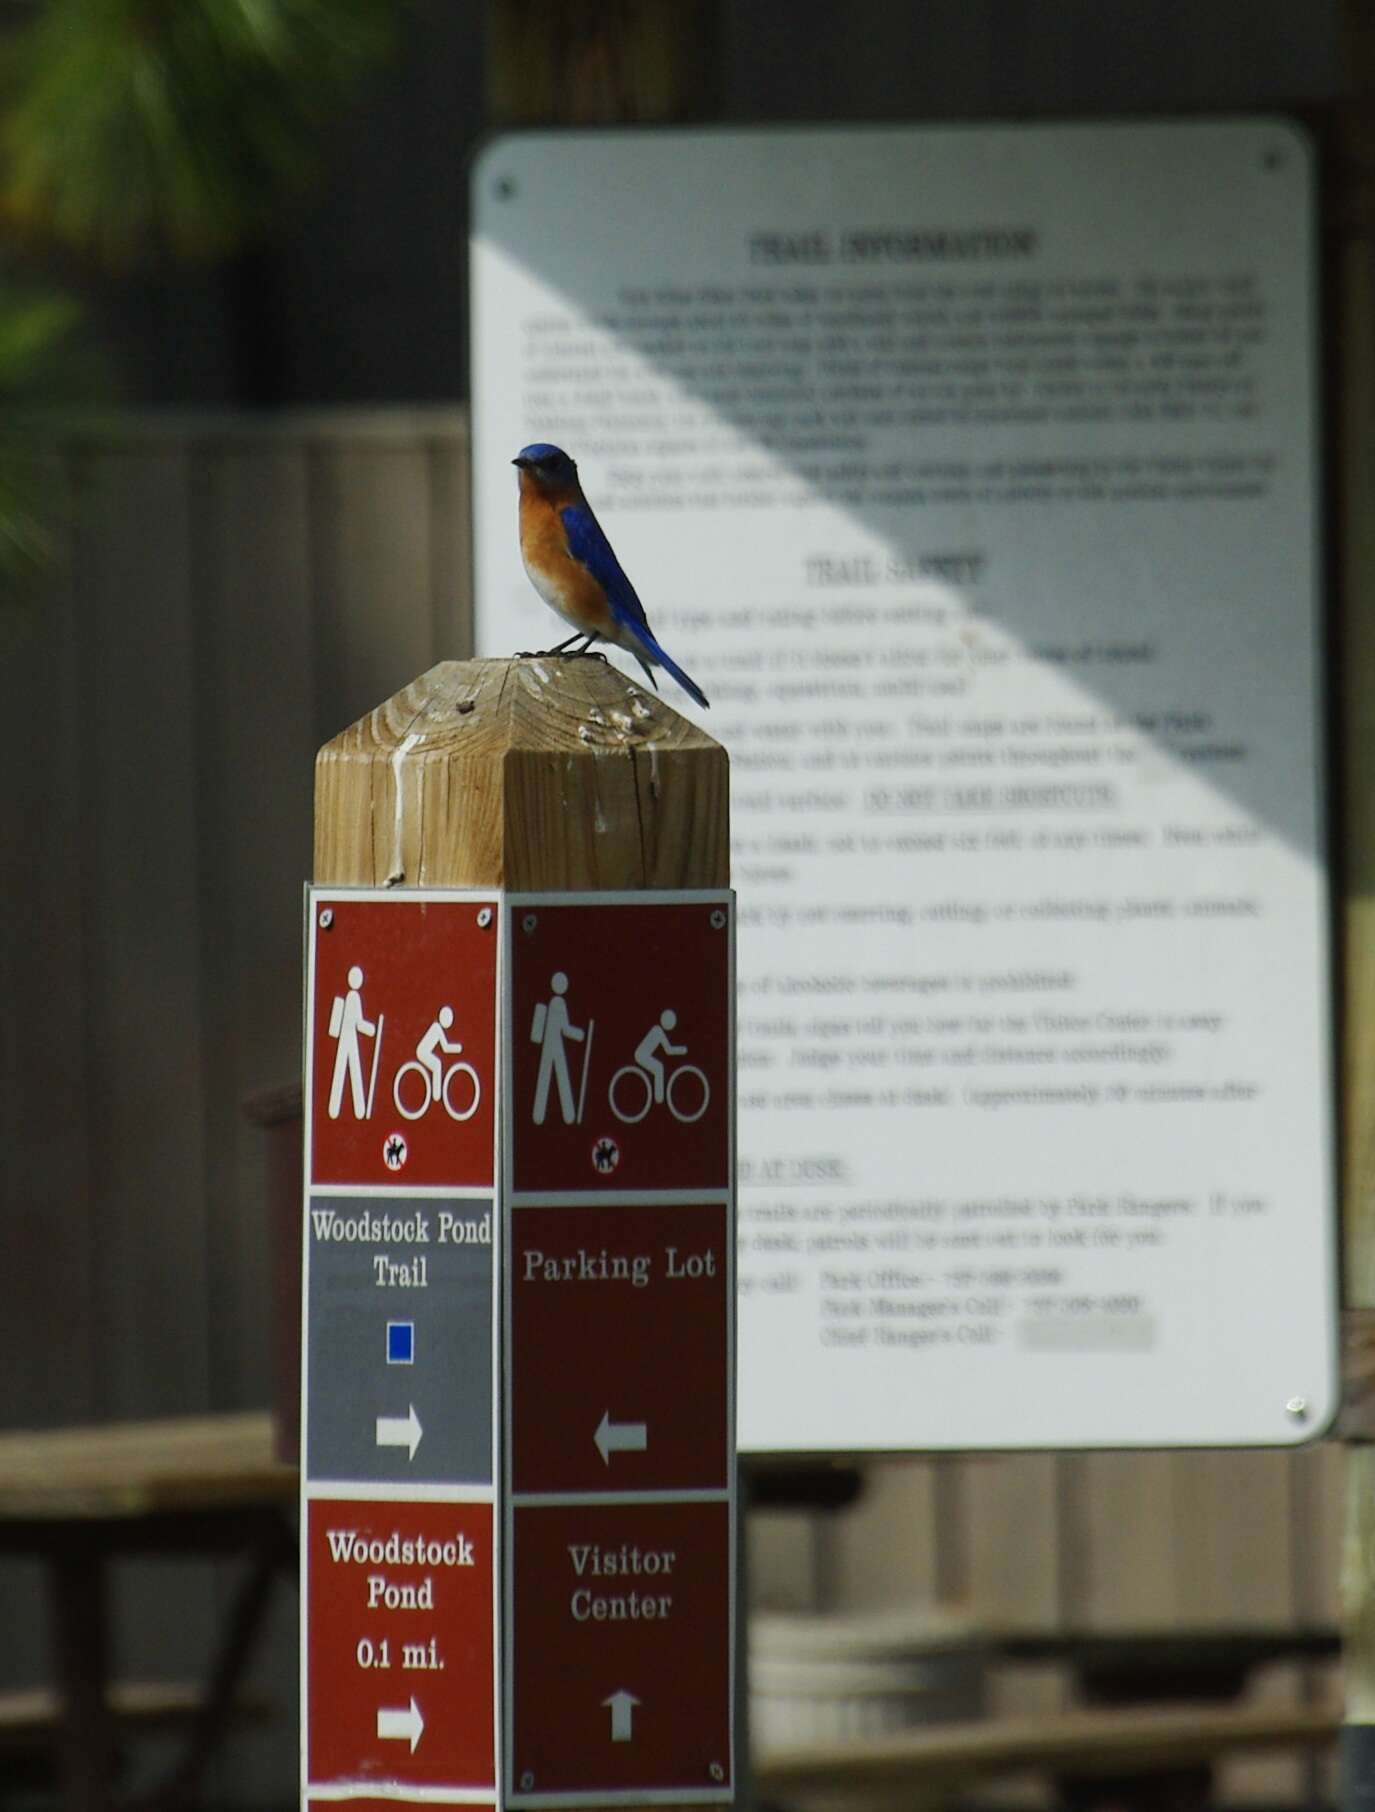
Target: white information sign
(972,472)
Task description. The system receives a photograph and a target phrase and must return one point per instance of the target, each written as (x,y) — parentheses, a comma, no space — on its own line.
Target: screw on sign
(620,1040)
(402,1023)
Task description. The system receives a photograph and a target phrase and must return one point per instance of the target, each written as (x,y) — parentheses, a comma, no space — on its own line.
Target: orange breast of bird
(563,582)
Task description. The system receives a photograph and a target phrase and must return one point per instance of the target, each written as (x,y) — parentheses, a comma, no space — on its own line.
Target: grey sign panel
(399,1343)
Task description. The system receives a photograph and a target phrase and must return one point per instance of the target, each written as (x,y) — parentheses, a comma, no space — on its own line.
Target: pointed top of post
(536,773)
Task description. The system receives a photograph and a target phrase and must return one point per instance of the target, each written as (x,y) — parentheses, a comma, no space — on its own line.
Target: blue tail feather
(689,685)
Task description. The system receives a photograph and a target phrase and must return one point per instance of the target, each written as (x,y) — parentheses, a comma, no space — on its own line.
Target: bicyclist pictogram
(425,1080)
(648,1082)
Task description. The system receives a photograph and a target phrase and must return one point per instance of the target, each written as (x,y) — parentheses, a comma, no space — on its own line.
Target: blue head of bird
(548,467)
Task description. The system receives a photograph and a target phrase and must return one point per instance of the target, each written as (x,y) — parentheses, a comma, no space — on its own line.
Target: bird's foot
(563,652)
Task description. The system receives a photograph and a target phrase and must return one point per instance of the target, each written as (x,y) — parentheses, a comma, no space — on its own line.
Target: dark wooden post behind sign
(518,1505)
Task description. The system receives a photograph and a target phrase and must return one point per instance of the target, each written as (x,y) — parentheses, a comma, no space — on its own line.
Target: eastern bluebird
(572,566)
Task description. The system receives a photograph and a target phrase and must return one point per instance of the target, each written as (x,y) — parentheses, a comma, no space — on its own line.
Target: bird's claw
(561,654)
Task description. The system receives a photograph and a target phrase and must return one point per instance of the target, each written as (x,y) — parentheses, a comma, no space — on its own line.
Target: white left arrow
(403,1726)
(400,1431)
(619,1437)
(622,1706)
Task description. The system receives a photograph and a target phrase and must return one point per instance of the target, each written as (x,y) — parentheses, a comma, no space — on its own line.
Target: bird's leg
(564,647)
(587,651)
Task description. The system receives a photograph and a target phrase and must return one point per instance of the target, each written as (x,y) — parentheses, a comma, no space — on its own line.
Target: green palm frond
(46,363)
(130,124)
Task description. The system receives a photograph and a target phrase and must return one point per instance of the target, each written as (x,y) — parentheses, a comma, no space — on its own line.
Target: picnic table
(79,1499)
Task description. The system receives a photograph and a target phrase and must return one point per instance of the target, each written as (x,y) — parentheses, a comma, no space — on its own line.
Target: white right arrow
(622,1705)
(619,1437)
(403,1726)
(400,1431)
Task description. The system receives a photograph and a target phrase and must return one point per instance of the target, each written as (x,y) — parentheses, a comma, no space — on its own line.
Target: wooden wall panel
(146,1045)
(239,591)
(143,1050)
(1105,1543)
(374,611)
(451,543)
(1012,1540)
(781,1560)
(1317,1533)
(48,1327)
(1232,1536)
(255,712)
(1117,1542)
(47,1232)
(884,1552)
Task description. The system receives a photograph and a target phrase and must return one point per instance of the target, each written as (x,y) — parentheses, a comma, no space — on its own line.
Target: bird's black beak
(524,464)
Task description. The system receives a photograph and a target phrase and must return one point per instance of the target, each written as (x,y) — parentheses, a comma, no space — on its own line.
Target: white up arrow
(400,1431)
(622,1705)
(404,1726)
(619,1437)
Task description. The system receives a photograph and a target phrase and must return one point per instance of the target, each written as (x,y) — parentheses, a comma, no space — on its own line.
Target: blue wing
(590,547)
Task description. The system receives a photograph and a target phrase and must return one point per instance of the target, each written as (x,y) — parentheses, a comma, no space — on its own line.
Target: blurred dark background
(357,294)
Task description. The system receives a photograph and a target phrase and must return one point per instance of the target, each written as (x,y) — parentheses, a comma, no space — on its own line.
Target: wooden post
(560,1288)
(1355,313)
(524,774)
(591,62)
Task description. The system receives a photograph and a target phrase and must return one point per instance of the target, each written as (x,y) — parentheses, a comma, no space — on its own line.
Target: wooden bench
(78,1498)
(1076,1749)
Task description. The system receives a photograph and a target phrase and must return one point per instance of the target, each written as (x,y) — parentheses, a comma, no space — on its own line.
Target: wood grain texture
(1011,1539)
(123,1470)
(534,773)
(1233,1522)
(578,62)
(254,724)
(371,544)
(887,1546)
(143,1042)
(50,1208)
(1081,1744)
(1358,1598)
(32,1720)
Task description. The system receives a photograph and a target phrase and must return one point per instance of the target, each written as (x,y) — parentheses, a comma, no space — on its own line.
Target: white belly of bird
(549,591)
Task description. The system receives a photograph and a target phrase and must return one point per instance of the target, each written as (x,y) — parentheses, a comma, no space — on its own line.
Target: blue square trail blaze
(400,1343)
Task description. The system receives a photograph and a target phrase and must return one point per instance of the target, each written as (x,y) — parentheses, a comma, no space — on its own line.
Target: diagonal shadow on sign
(1053,397)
